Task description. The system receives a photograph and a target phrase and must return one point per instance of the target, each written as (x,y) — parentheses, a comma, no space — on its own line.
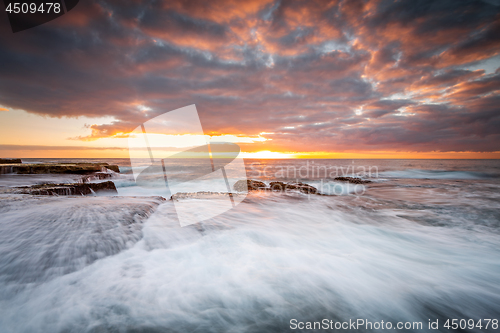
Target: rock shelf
(67,189)
(58,168)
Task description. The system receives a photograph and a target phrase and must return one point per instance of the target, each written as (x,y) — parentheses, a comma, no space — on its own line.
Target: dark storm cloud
(319,75)
(384,107)
(160,21)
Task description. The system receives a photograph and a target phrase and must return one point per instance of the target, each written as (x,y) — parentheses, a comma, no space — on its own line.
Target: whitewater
(418,243)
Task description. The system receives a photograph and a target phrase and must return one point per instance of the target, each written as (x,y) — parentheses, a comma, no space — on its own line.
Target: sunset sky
(318,79)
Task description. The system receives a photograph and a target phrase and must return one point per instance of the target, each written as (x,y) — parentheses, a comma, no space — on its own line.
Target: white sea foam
(261,264)
(337,188)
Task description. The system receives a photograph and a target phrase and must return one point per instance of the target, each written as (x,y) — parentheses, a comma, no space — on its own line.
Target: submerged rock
(67,189)
(97,176)
(352,180)
(10,161)
(203,195)
(44,237)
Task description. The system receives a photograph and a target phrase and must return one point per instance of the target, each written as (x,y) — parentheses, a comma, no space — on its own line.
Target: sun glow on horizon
(266,154)
(158,140)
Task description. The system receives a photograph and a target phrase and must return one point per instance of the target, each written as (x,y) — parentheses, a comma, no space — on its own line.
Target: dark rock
(352,180)
(277,186)
(112,167)
(4,169)
(10,161)
(59,168)
(68,189)
(306,188)
(282,187)
(250,185)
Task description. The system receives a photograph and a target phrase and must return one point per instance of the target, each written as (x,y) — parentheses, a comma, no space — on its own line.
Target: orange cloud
(320,76)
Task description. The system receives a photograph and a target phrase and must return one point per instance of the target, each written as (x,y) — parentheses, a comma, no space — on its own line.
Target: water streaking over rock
(68,189)
(253,269)
(45,237)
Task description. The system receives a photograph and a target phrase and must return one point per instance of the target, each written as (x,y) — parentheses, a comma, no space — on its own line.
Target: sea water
(418,243)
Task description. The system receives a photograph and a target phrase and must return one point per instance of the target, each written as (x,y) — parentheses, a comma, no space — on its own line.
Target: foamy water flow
(408,249)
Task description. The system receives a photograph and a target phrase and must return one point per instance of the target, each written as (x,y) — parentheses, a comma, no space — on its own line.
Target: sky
(305,79)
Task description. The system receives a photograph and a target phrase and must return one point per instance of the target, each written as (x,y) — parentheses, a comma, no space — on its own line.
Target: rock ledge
(67,189)
(59,168)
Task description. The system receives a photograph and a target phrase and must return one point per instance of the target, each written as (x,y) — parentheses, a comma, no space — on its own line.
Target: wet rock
(305,188)
(255,185)
(58,168)
(112,167)
(250,185)
(282,187)
(352,180)
(5,169)
(67,189)
(10,161)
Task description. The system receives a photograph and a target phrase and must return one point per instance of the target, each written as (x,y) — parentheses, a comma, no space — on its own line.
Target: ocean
(420,243)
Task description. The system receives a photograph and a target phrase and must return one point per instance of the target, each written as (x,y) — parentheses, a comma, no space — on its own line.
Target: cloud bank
(312,75)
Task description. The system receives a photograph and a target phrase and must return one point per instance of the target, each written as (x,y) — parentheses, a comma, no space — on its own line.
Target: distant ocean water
(420,242)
